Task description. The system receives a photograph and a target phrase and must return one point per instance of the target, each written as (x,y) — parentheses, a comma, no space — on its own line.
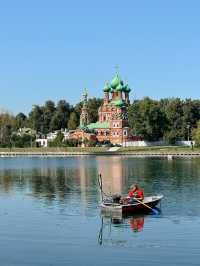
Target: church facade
(112,125)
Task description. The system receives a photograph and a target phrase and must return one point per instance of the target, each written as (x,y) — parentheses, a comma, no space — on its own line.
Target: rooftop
(116,84)
(98,125)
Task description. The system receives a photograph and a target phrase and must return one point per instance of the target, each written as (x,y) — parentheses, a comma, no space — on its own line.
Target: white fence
(155,143)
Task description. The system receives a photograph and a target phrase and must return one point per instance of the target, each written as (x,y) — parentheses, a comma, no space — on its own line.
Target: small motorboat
(109,205)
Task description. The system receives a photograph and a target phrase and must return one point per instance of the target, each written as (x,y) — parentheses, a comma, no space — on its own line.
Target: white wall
(155,143)
(42,142)
(184,143)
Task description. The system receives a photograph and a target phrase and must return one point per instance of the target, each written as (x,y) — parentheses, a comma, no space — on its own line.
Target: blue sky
(54,49)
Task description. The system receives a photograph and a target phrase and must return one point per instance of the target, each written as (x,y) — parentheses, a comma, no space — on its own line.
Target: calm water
(50,212)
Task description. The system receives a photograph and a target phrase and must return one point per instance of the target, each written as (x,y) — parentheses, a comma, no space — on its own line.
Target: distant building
(41,142)
(26,131)
(112,124)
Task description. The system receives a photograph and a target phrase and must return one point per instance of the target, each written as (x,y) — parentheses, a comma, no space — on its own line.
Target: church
(112,125)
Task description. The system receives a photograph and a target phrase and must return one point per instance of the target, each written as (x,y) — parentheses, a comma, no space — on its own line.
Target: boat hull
(127,209)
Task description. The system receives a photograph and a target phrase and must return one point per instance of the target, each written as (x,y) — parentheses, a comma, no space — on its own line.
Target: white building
(43,141)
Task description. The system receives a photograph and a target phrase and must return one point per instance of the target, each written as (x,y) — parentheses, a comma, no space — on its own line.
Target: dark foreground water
(49,212)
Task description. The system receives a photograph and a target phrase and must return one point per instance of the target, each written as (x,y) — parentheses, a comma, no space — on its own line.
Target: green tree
(36,118)
(147,119)
(173,109)
(70,143)
(93,107)
(21,120)
(7,126)
(23,141)
(58,141)
(196,134)
(61,116)
(73,121)
(48,112)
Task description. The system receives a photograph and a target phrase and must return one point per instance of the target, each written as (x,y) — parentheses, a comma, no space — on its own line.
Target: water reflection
(60,179)
(113,224)
(136,224)
(51,207)
(114,174)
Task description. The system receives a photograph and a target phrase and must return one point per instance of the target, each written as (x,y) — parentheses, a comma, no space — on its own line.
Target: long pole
(100,185)
(153,210)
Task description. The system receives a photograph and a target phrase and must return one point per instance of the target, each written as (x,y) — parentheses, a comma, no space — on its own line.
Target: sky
(54,49)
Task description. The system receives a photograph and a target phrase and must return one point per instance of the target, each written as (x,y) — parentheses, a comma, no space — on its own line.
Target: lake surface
(50,212)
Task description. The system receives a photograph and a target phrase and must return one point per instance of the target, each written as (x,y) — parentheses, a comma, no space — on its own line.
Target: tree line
(43,119)
(166,119)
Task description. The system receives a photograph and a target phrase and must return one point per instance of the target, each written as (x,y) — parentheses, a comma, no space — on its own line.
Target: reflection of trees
(177,179)
(56,183)
(10,182)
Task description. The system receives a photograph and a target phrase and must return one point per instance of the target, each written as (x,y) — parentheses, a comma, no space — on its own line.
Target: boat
(110,206)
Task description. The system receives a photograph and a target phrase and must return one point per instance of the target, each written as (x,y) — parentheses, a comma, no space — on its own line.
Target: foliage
(147,119)
(196,134)
(93,107)
(36,118)
(50,117)
(168,119)
(90,143)
(73,121)
(23,141)
(21,120)
(70,143)
(61,116)
(7,125)
(58,141)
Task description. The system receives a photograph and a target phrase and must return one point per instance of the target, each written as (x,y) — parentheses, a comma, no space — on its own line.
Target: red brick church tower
(113,116)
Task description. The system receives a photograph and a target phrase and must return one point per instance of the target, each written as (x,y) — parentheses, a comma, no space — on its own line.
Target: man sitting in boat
(134,196)
(136,192)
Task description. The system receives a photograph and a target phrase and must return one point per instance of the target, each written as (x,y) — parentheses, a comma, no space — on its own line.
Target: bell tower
(84,117)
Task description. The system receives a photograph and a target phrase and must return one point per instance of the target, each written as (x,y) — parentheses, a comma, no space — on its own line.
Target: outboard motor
(116,198)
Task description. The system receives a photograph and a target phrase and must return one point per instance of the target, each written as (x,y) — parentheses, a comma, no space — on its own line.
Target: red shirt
(140,194)
(132,193)
(136,193)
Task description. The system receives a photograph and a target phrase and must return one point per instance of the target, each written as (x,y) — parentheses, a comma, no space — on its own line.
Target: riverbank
(167,151)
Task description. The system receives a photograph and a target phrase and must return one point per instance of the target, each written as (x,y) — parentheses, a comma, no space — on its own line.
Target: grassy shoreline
(102,150)
(53,150)
(161,149)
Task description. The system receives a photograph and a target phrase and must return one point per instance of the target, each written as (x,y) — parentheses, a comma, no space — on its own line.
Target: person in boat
(134,195)
(136,192)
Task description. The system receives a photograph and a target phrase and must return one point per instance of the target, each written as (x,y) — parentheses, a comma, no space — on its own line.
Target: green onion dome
(115,82)
(126,88)
(118,103)
(119,87)
(107,88)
